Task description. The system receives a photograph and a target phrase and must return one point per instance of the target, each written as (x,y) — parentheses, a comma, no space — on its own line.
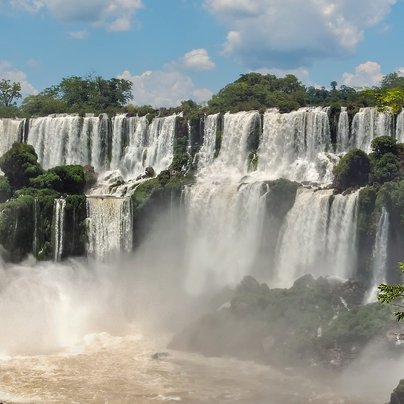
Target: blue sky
(180,49)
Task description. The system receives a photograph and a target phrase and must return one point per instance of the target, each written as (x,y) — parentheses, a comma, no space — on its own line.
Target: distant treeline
(252,91)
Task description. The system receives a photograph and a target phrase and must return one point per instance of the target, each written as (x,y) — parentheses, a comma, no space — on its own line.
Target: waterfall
(59,215)
(294,146)
(224,230)
(159,150)
(70,139)
(379,255)
(118,140)
(133,161)
(207,152)
(10,132)
(224,216)
(36,225)
(369,123)
(110,226)
(343,131)
(400,127)
(318,237)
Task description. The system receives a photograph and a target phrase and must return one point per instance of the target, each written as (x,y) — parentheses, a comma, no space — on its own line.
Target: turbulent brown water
(108,369)
(76,332)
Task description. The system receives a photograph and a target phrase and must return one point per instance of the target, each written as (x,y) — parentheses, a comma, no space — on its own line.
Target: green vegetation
(352,170)
(306,324)
(5,189)
(9,92)
(20,164)
(80,94)
(393,294)
(27,196)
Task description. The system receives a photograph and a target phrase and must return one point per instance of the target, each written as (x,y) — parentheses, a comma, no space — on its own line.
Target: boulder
(397,396)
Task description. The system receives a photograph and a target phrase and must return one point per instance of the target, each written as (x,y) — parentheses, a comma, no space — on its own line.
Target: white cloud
(197,59)
(78,34)
(400,71)
(164,88)
(292,33)
(115,15)
(366,74)
(8,72)
(301,73)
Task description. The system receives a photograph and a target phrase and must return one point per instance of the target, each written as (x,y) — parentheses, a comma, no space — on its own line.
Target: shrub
(384,144)
(5,189)
(352,170)
(385,168)
(20,164)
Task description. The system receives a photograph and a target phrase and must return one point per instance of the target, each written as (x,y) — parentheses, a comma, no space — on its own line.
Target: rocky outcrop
(397,396)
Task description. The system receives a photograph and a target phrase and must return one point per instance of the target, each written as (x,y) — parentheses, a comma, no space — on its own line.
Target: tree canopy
(80,94)
(393,294)
(9,92)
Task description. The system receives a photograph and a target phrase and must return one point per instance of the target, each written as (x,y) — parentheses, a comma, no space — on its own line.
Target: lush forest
(252,91)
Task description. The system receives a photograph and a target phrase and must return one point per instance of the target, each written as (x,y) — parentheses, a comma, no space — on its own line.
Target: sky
(174,50)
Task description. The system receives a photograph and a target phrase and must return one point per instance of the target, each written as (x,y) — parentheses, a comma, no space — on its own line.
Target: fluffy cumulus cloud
(115,15)
(164,88)
(292,33)
(9,72)
(366,74)
(197,59)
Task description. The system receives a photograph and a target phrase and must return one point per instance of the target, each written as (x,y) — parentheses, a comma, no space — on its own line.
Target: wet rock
(397,396)
(159,355)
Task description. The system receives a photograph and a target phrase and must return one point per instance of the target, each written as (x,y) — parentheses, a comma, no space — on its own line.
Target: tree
(393,294)
(352,170)
(9,91)
(20,164)
(80,94)
(333,85)
(392,80)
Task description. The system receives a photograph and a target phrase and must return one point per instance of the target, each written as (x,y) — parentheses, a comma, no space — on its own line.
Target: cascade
(318,237)
(294,146)
(343,131)
(224,229)
(159,150)
(237,128)
(400,127)
(207,152)
(36,225)
(118,140)
(379,255)
(70,139)
(128,144)
(223,215)
(110,226)
(59,215)
(369,123)
(10,132)
(133,161)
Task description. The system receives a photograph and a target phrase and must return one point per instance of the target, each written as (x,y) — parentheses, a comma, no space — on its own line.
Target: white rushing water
(400,127)
(295,146)
(127,144)
(110,226)
(70,139)
(369,123)
(207,152)
(10,132)
(343,131)
(319,237)
(223,214)
(379,257)
(59,228)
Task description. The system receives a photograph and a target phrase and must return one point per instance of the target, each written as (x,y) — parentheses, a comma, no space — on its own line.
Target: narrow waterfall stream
(59,209)
(379,255)
(109,226)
